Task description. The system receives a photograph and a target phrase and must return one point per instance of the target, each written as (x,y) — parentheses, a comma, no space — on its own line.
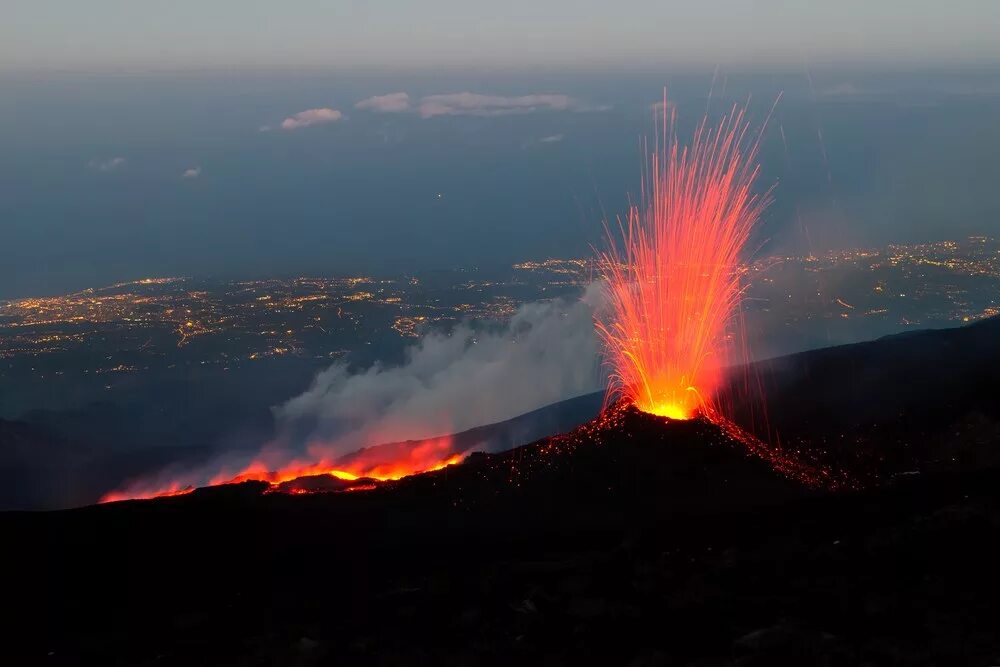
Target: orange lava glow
(673,273)
(382,463)
(174,489)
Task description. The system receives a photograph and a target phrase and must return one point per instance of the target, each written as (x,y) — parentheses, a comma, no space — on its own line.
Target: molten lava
(382,463)
(673,278)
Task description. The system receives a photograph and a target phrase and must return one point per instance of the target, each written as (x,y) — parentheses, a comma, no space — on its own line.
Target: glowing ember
(673,280)
(382,463)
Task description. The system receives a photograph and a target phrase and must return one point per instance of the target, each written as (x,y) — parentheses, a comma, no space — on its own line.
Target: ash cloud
(452,382)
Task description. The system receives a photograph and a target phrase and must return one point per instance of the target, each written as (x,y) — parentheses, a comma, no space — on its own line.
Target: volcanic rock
(630,540)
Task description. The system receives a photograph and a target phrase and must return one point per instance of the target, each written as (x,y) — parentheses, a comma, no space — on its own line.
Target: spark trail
(673,272)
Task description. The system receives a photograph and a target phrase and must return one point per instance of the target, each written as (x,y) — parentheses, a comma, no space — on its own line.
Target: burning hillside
(358,470)
(622,443)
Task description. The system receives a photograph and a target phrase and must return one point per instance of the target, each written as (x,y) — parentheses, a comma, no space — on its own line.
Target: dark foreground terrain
(631,541)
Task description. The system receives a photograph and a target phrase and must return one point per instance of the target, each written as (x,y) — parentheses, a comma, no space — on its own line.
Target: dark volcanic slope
(224,553)
(500,436)
(632,541)
(922,401)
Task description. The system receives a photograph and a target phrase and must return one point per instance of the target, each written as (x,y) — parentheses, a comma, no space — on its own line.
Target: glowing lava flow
(673,280)
(382,463)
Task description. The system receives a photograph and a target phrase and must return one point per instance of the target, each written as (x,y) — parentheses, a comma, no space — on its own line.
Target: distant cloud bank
(110,164)
(551,139)
(391,103)
(309,117)
(474,104)
(447,104)
(471,104)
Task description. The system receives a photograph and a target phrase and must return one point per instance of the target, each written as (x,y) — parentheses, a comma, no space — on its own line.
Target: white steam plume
(450,383)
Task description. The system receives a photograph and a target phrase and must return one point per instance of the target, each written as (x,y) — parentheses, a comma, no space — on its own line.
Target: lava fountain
(673,271)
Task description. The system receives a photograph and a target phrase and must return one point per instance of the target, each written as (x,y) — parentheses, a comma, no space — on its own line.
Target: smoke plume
(451,382)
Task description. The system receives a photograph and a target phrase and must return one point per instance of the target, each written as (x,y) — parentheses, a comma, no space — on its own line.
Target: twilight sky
(459,33)
(242,138)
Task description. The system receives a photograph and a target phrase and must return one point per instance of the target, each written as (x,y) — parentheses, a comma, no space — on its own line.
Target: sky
(248,139)
(514,33)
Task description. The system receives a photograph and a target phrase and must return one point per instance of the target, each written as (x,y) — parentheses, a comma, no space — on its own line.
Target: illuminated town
(132,327)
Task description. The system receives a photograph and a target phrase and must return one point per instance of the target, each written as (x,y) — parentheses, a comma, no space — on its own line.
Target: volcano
(632,539)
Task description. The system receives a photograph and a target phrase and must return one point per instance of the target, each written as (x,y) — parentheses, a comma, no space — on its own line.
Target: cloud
(474,104)
(110,164)
(193,172)
(452,382)
(311,117)
(391,103)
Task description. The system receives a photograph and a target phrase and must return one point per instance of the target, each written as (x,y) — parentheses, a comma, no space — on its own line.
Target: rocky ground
(866,539)
(668,546)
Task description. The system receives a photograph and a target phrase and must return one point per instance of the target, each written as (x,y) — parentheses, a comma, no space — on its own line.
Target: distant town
(162,322)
